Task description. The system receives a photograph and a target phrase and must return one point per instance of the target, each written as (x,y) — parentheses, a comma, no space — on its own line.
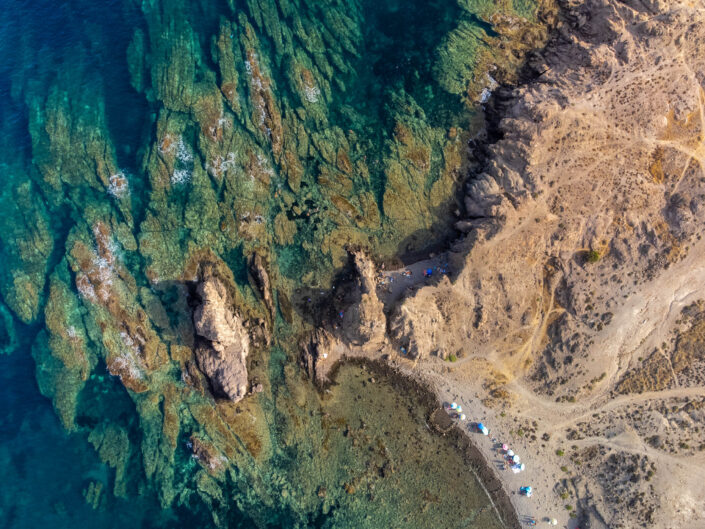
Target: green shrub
(593,256)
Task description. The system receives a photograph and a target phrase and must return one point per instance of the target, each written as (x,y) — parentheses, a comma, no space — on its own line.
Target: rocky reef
(163,206)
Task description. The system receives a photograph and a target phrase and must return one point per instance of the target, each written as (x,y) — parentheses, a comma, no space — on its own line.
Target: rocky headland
(570,319)
(179,282)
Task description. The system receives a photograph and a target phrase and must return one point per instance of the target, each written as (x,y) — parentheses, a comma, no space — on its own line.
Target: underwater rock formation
(262,138)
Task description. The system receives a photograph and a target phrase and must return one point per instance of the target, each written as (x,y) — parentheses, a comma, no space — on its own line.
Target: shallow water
(141,140)
(400,472)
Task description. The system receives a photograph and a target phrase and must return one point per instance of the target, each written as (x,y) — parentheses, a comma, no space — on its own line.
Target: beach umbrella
(505,447)
(516,458)
(459,409)
(462,416)
(510,453)
(554,521)
(453,406)
(522,467)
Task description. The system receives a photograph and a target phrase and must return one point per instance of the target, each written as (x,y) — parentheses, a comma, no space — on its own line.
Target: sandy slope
(584,247)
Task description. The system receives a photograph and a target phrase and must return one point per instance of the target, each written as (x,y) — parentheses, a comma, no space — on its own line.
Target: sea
(141,138)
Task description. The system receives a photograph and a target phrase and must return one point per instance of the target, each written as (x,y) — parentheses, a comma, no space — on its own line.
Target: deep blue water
(47,471)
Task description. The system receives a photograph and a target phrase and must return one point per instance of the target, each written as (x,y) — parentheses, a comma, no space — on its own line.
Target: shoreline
(579,272)
(407,383)
(396,370)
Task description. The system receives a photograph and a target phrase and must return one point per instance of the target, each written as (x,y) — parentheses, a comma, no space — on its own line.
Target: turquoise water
(46,472)
(143,141)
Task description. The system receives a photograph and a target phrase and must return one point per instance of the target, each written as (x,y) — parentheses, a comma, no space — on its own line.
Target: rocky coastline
(582,239)
(179,284)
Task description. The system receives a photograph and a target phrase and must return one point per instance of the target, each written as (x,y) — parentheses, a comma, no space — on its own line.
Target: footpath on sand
(525,477)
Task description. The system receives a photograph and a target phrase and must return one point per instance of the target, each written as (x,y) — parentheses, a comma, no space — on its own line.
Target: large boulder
(364,323)
(222,352)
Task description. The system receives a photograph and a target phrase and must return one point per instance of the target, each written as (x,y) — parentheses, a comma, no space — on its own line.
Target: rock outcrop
(260,275)
(221,357)
(364,323)
(360,328)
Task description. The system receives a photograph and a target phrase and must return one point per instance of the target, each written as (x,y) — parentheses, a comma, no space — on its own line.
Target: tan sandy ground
(583,261)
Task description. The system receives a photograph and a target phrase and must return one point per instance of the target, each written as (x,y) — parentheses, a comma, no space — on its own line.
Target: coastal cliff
(574,306)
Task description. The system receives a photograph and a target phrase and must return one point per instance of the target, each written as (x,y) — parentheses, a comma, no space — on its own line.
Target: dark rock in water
(441,421)
(8,335)
(261,280)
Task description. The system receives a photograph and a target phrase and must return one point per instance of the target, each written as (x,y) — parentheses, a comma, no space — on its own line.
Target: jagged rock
(222,357)
(259,271)
(361,332)
(364,324)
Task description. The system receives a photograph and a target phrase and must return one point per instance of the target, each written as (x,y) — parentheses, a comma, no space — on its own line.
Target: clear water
(138,140)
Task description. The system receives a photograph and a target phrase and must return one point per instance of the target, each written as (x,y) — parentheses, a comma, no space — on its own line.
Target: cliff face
(582,262)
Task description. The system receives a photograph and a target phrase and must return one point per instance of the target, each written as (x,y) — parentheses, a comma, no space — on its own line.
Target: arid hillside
(573,319)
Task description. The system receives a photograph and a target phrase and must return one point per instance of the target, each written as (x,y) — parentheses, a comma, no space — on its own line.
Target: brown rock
(221,356)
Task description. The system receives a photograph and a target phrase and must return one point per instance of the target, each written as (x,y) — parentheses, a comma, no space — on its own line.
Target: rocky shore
(177,219)
(569,321)
(176,214)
